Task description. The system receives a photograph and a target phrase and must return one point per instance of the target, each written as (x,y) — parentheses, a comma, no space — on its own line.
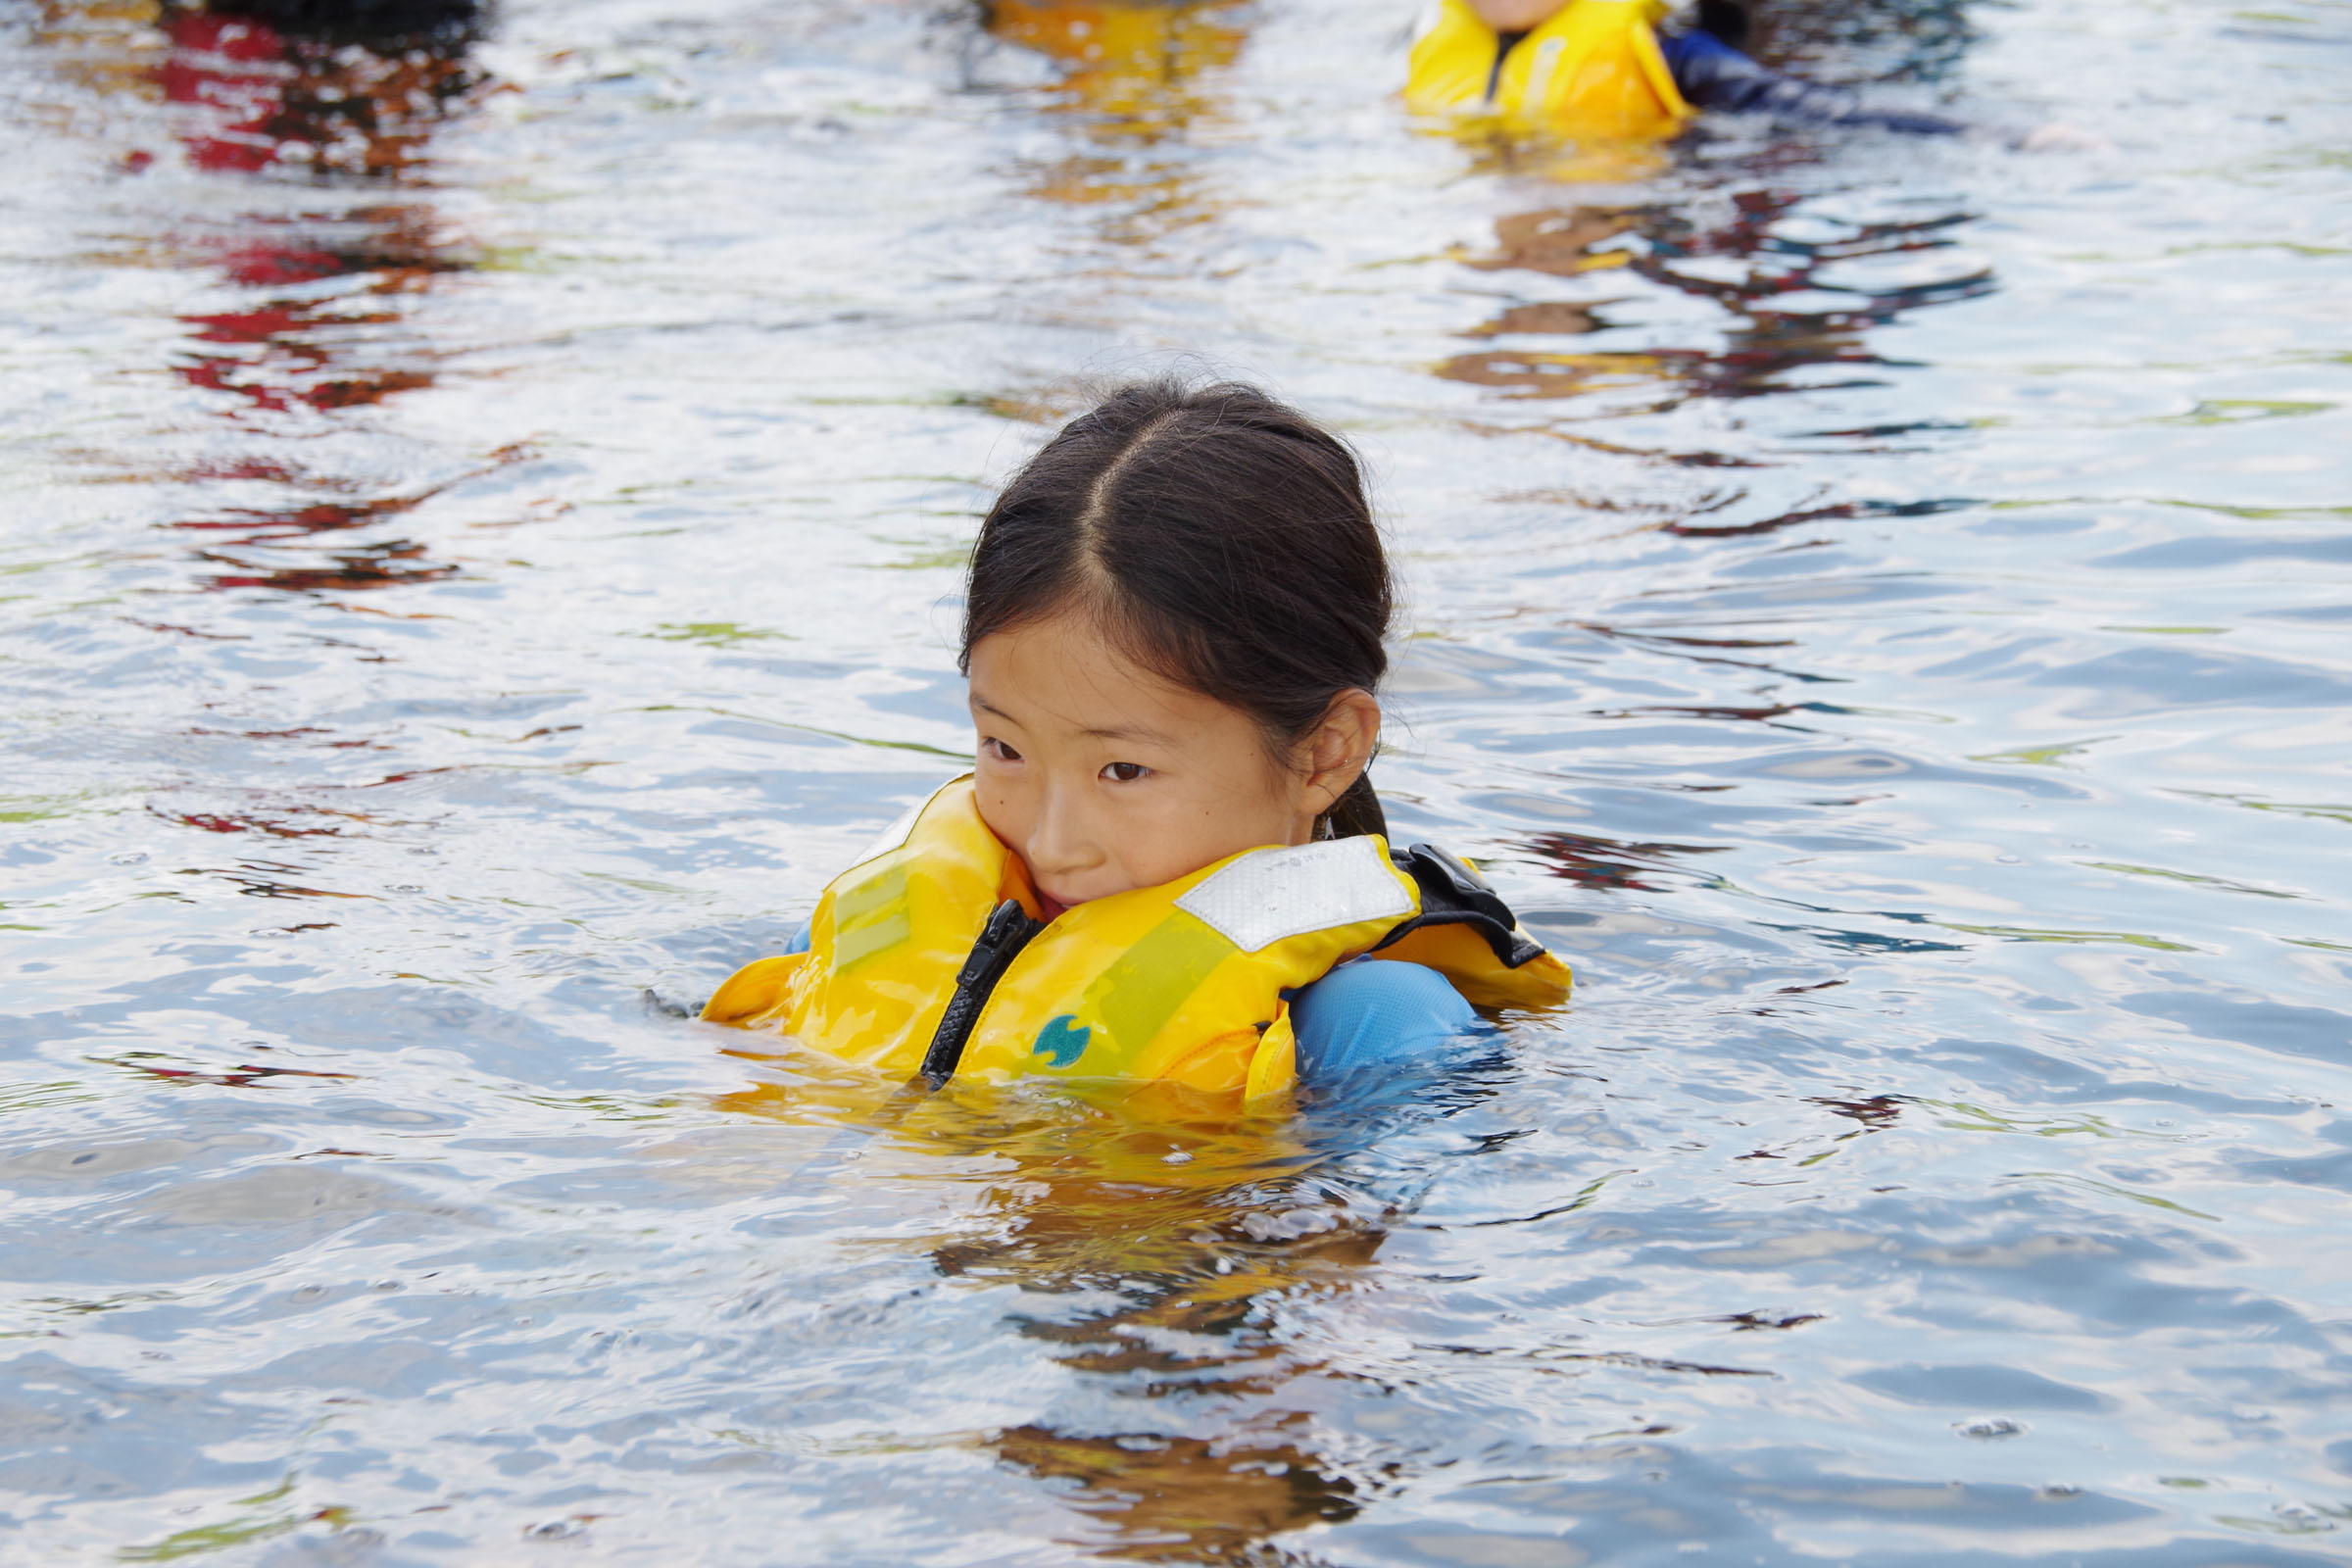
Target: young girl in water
(1169,864)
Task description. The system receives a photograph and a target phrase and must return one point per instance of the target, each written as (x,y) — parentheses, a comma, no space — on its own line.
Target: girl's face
(1104,777)
(1515,16)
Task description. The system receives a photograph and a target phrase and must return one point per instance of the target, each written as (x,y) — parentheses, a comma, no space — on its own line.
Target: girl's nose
(1061,843)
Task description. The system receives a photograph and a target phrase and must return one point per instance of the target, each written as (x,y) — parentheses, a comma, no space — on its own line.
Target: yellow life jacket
(1120,35)
(930,957)
(1593,70)
(1126,59)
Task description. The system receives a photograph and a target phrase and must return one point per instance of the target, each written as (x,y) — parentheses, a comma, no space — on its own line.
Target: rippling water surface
(481,540)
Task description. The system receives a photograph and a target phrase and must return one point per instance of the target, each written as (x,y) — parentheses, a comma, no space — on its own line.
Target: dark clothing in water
(1712,74)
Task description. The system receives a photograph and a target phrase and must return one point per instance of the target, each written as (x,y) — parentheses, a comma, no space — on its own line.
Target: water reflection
(1801,289)
(1611,865)
(1152,1254)
(1185,1499)
(1863,40)
(103,46)
(456,1306)
(1137,77)
(329,95)
(1173,1286)
(1133,68)
(290,345)
(356,88)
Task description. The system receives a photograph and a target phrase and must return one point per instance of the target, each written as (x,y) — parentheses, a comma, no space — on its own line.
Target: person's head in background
(1727,20)
(1173,631)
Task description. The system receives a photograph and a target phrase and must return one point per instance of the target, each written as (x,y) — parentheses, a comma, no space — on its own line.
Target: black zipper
(1002,940)
(1504,43)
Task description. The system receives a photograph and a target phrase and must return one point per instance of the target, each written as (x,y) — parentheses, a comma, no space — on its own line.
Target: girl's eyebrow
(1128,732)
(1116,732)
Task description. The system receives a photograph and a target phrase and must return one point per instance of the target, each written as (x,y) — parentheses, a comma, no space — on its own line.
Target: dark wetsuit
(1712,74)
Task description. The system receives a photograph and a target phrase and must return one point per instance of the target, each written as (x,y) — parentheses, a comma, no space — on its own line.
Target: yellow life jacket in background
(1161,40)
(1125,58)
(929,957)
(1593,70)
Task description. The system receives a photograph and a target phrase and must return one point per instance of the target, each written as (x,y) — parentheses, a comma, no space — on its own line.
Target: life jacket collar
(927,960)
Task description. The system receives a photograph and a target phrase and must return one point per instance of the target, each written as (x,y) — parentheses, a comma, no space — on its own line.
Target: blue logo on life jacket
(1058,1043)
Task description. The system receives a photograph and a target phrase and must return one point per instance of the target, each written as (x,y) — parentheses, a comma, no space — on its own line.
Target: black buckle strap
(1452,893)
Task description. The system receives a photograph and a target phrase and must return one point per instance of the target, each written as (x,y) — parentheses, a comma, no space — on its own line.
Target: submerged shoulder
(1376,1013)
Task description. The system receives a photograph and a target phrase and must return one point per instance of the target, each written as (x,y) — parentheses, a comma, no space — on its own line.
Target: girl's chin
(1052,903)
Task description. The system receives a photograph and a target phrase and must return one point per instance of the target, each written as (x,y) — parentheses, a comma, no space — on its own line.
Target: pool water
(482,529)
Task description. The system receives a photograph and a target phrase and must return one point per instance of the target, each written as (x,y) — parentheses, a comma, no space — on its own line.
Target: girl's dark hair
(1220,538)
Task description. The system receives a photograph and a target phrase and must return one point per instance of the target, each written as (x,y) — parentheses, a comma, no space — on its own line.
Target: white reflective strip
(1268,895)
(1539,79)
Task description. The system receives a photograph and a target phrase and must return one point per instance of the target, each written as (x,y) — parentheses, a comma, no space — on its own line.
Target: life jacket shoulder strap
(1466,933)
(1452,893)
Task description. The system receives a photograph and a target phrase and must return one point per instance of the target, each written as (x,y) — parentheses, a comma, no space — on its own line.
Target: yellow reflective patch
(1144,986)
(871,917)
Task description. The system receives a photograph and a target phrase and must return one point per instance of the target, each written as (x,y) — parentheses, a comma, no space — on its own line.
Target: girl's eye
(1124,773)
(1000,751)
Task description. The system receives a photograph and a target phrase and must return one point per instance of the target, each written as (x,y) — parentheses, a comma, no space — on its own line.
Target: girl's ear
(1340,748)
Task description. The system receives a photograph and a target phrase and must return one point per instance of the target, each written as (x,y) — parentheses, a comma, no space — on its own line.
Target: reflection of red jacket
(235,71)
(280,327)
